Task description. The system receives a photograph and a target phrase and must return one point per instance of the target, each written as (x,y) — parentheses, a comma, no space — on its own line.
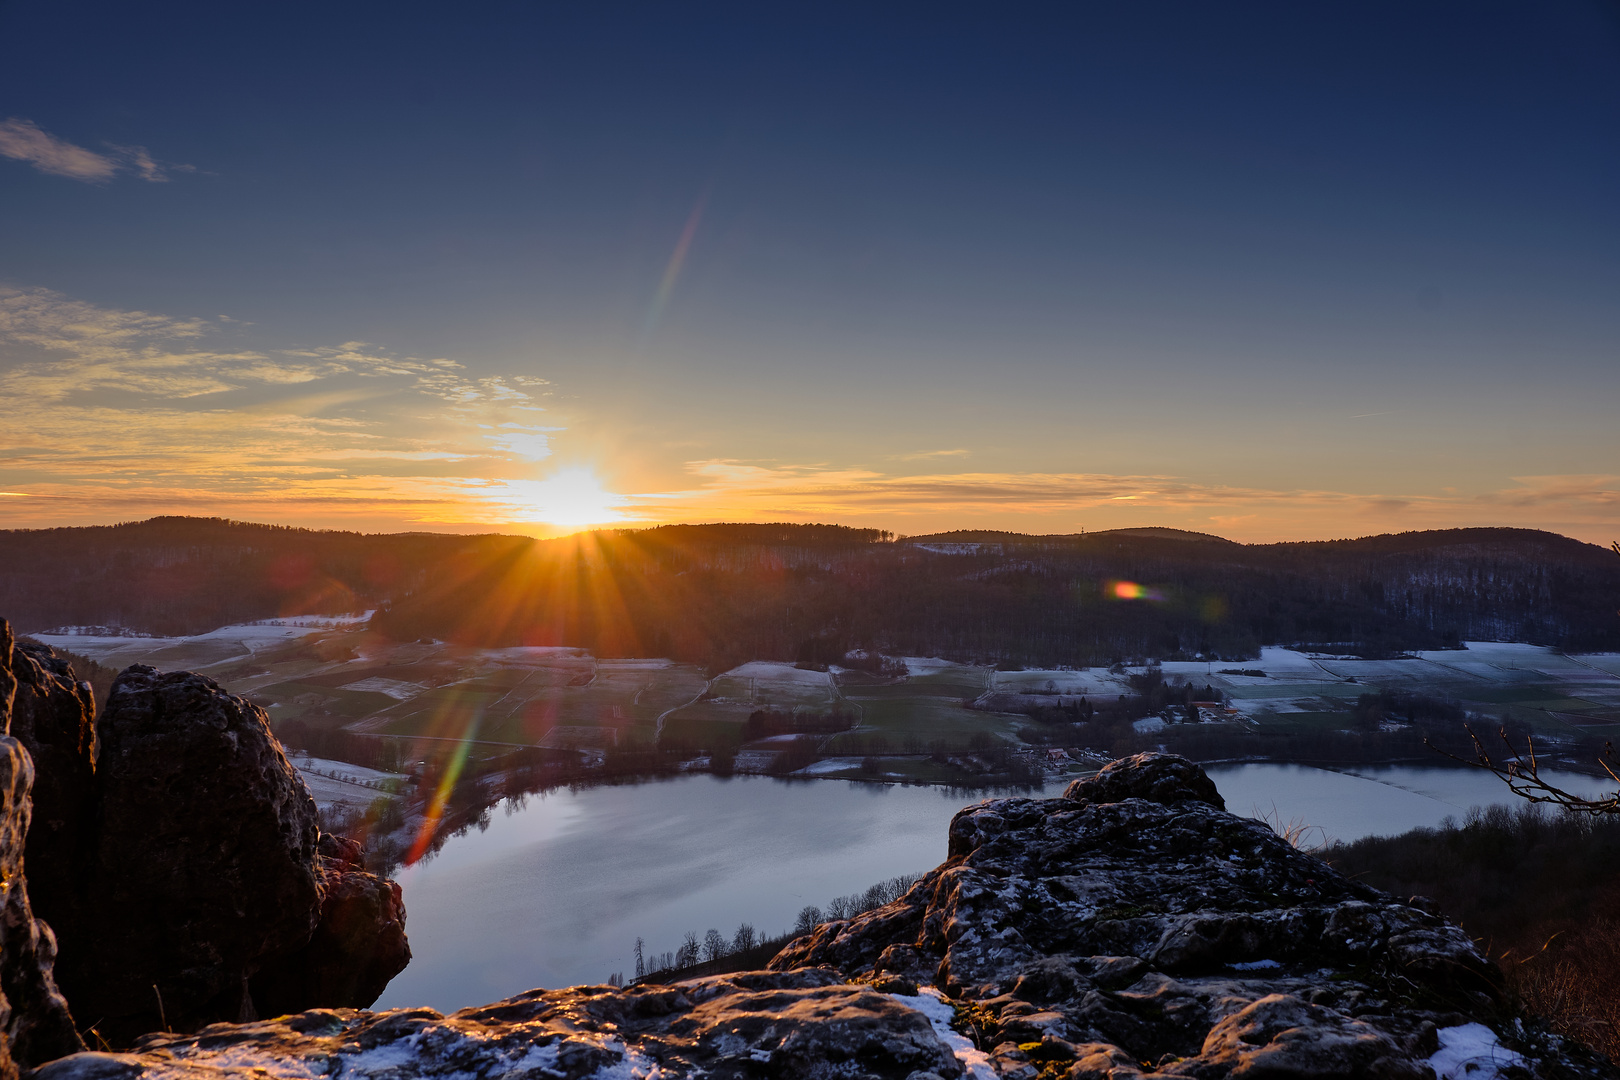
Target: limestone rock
(1134,921)
(727,1027)
(1161,778)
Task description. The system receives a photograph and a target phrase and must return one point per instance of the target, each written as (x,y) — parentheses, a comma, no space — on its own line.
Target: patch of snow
(1471,1052)
(829,765)
(926,665)
(779,672)
(399,1054)
(1152,723)
(261,1063)
(632,1064)
(932,1004)
(92,632)
(339,769)
(529,654)
(1255,965)
(394,688)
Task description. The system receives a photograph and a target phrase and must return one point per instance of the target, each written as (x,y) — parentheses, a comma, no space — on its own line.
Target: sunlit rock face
(797,1023)
(1130,928)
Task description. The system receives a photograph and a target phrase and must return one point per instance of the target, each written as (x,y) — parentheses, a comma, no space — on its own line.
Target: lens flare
(672,272)
(441,795)
(1130,590)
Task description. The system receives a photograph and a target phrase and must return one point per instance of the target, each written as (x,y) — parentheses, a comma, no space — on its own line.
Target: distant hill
(966,536)
(717,594)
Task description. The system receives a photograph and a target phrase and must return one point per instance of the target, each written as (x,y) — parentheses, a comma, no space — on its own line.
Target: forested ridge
(720,594)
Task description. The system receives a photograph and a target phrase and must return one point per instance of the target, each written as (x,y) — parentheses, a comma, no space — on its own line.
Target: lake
(555,891)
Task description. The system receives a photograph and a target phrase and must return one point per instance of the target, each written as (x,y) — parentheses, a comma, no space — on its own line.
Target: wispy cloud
(24,140)
(927,455)
(129,410)
(108,414)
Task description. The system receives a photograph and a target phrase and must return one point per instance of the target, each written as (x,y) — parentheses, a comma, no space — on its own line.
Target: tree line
(720,595)
(709,954)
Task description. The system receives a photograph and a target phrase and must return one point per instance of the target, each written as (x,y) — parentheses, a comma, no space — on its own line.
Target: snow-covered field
(1485,675)
(238,639)
(780,673)
(399,691)
(334,783)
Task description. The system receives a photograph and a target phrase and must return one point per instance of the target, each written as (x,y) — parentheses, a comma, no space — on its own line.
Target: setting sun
(572,496)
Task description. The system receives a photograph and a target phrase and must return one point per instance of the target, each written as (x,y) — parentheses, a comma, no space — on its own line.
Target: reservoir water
(555,891)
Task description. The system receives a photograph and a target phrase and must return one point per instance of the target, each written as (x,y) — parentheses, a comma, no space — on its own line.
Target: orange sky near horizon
(123,415)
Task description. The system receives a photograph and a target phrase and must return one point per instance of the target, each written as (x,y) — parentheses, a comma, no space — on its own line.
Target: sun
(572,496)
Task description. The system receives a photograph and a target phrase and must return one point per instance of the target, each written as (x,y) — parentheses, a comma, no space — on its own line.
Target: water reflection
(556,892)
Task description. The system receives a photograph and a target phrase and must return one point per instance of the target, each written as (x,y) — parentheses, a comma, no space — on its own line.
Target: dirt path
(658,728)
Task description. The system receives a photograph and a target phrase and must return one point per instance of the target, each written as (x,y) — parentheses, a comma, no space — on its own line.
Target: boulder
(1160,778)
(203,865)
(175,851)
(358,946)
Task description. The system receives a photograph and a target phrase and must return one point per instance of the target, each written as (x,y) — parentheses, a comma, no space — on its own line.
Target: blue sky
(1266,270)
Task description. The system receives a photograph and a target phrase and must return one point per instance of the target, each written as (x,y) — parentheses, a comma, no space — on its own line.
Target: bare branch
(1520,771)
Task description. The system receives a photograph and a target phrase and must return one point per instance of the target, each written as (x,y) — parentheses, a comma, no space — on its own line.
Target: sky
(1271,271)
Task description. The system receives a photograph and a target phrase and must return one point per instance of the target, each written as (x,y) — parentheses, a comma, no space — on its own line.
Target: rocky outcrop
(35,1024)
(1129,929)
(798,1023)
(358,945)
(203,866)
(178,859)
(53,716)
(1133,921)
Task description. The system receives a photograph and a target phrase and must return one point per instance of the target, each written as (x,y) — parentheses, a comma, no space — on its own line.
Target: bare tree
(714,945)
(687,954)
(809,918)
(1521,772)
(641,965)
(745,938)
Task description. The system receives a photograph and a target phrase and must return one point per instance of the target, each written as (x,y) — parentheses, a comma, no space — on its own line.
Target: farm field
(927,706)
(335,673)
(719,712)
